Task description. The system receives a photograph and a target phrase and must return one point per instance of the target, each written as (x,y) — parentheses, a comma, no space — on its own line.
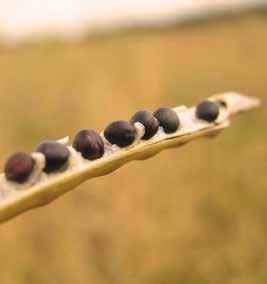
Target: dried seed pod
(19,167)
(150,123)
(207,110)
(56,155)
(46,190)
(120,132)
(168,119)
(89,143)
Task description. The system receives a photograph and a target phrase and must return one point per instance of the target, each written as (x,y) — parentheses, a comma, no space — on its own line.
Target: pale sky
(23,18)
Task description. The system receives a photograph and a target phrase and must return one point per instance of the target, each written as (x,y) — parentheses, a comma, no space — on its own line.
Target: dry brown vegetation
(194,215)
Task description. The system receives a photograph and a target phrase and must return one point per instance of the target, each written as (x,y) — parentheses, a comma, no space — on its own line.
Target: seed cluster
(120,132)
(149,121)
(56,155)
(91,145)
(19,167)
(168,119)
(208,111)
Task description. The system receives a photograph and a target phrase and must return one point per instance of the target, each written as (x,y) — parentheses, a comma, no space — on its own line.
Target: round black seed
(89,143)
(150,123)
(120,132)
(56,155)
(207,110)
(168,119)
(19,167)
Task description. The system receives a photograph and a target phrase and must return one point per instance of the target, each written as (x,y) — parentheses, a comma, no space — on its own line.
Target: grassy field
(195,215)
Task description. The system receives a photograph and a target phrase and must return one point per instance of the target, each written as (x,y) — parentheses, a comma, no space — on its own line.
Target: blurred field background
(194,215)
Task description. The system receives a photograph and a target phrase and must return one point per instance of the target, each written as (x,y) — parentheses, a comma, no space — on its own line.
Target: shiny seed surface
(120,132)
(89,144)
(56,155)
(207,111)
(150,123)
(19,167)
(168,119)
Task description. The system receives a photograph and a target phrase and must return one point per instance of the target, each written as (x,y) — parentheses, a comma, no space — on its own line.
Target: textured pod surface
(59,183)
(168,119)
(89,144)
(150,123)
(56,155)
(19,167)
(120,133)
(208,111)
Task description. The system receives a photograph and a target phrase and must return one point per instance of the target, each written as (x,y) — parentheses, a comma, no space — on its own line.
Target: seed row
(90,144)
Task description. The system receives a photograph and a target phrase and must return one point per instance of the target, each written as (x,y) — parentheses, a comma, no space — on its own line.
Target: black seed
(120,132)
(208,111)
(89,143)
(19,167)
(168,119)
(56,155)
(150,123)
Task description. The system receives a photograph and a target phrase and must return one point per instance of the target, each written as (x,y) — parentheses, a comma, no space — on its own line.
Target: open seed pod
(16,199)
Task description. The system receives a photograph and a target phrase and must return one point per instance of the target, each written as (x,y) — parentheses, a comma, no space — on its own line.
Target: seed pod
(19,167)
(120,132)
(89,143)
(207,110)
(56,155)
(47,190)
(168,119)
(150,123)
